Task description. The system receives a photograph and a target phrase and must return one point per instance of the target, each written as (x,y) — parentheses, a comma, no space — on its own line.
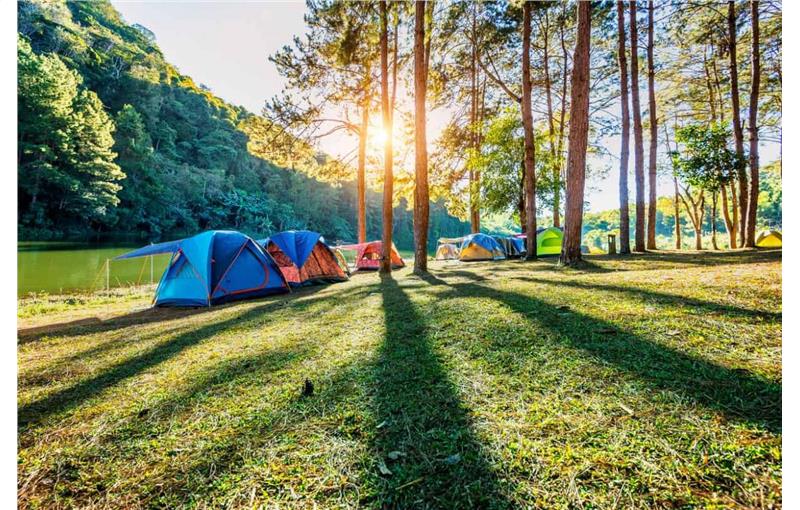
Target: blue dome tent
(213,267)
(480,247)
(304,258)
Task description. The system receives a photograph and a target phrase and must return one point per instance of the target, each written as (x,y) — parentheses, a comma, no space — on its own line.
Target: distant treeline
(113,139)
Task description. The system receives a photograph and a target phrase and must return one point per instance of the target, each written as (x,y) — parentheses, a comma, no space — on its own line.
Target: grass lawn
(638,382)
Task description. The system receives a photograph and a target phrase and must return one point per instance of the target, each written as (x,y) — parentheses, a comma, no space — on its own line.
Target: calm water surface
(56,267)
(66,267)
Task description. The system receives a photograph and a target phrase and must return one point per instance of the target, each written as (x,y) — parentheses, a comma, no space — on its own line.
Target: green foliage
(705,161)
(770,197)
(192,161)
(500,161)
(66,168)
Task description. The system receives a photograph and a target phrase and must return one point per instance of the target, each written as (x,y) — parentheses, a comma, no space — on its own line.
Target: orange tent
(368,255)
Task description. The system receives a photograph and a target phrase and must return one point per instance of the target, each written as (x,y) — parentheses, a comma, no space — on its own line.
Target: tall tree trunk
(562,114)
(677,215)
(752,202)
(388,178)
(523,222)
(651,173)
(677,199)
(727,217)
(527,126)
(638,143)
(578,138)
(738,137)
(720,98)
(624,209)
(421,203)
(714,220)
(735,213)
(474,185)
(362,180)
(711,101)
(556,171)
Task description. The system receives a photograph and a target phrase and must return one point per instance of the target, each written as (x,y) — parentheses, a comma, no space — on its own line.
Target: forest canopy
(115,140)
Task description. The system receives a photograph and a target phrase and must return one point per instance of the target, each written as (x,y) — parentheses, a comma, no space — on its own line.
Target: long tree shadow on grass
(737,394)
(78,473)
(73,395)
(426,437)
(662,298)
(150,315)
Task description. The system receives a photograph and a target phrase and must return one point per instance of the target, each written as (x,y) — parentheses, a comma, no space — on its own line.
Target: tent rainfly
(304,258)
(447,251)
(769,239)
(480,247)
(513,247)
(548,240)
(368,255)
(213,267)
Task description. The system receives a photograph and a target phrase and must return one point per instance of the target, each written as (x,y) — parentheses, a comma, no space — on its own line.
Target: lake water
(61,267)
(65,267)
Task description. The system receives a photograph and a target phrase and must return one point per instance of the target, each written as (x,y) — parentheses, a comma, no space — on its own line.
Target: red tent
(368,255)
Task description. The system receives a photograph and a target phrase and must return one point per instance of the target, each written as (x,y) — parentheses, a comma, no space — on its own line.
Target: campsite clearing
(643,381)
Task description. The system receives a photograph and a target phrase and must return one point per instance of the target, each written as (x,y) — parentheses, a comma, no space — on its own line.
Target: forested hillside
(113,139)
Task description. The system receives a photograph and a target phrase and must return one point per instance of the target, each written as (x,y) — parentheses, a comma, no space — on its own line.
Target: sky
(226,45)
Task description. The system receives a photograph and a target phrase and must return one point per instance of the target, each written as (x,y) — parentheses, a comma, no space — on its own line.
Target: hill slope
(178,161)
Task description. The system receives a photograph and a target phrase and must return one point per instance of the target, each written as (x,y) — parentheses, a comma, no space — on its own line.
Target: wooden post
(612,244)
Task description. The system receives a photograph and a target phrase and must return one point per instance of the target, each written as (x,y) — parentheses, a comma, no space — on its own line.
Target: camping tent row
(486,247)
(218,266)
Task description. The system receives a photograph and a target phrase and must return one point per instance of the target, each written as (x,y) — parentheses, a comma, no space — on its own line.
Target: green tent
(548,241)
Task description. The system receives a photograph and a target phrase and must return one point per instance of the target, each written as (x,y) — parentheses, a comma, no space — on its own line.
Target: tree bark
(714,220)
(578,139)
(677,198)
(562,114)
(710,87)
(735,213)
(726,215)
(651,181)
(421,203)
(523,225)
(677,215)
(556,171)
(738,137)
(527,125)
(474,184)
(752,202)
(624,200)
(638,143)
(362,180)
(388,178)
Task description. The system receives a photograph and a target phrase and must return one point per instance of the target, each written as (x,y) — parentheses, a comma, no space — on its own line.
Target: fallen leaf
(394,455)
(381,425)
(383,469)
(626,409)
(673,332)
